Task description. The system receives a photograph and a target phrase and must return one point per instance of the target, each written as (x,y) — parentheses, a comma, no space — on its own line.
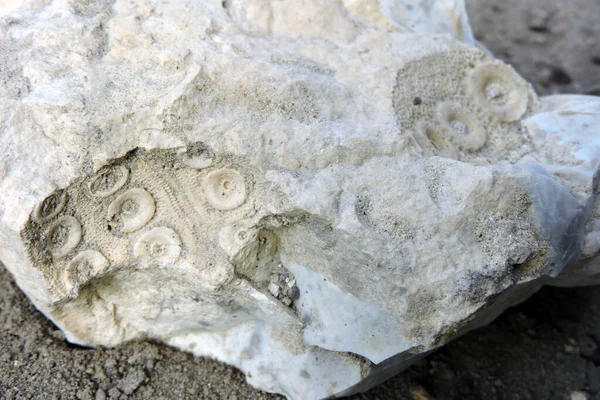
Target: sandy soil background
(546,348)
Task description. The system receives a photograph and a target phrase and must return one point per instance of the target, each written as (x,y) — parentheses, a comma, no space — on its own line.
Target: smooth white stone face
(336,320)
(316,192)
(250,346)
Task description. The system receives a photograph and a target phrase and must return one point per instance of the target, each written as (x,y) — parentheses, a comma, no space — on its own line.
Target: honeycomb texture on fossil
(316,192)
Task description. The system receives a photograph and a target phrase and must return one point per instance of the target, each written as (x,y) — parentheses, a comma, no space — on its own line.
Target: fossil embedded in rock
(108,181)
(461,127)
(50,207)
(84,266)
(197,156)
(498,87)
(161,246)
(225,189)
(63,236)
(130,211)
(316,192)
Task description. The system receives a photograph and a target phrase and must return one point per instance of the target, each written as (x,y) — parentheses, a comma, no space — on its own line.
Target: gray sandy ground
(546,348)
(555,44)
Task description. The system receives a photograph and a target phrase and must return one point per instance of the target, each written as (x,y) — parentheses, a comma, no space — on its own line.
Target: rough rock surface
(407,178)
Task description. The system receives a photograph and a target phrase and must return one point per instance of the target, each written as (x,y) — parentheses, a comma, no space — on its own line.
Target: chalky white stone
(316,192)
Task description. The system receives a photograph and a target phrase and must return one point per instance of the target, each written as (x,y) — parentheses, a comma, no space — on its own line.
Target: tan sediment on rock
(317,194)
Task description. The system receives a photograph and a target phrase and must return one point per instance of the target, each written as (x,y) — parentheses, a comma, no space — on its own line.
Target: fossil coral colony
(316,192)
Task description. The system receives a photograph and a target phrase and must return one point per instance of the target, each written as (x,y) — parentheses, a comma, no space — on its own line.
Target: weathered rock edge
(317,203)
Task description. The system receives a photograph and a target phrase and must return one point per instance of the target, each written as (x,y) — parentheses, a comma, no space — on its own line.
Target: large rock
(316,192)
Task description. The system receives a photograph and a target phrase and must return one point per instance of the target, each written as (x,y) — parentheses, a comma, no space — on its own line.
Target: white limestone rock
(316,192)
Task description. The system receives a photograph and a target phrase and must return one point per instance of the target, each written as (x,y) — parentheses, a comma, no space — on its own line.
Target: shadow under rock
(544,348)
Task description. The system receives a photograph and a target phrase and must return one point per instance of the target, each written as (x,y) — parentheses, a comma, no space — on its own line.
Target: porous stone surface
(318,193)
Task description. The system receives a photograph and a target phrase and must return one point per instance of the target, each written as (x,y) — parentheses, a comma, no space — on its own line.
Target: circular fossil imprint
(197,157)
(84,266)
(462,127)
(234,237)
(50,207)
(108,180)
(160,246)
(432,141)
(131,211)
(498,87)
(225,189)
(63,236)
